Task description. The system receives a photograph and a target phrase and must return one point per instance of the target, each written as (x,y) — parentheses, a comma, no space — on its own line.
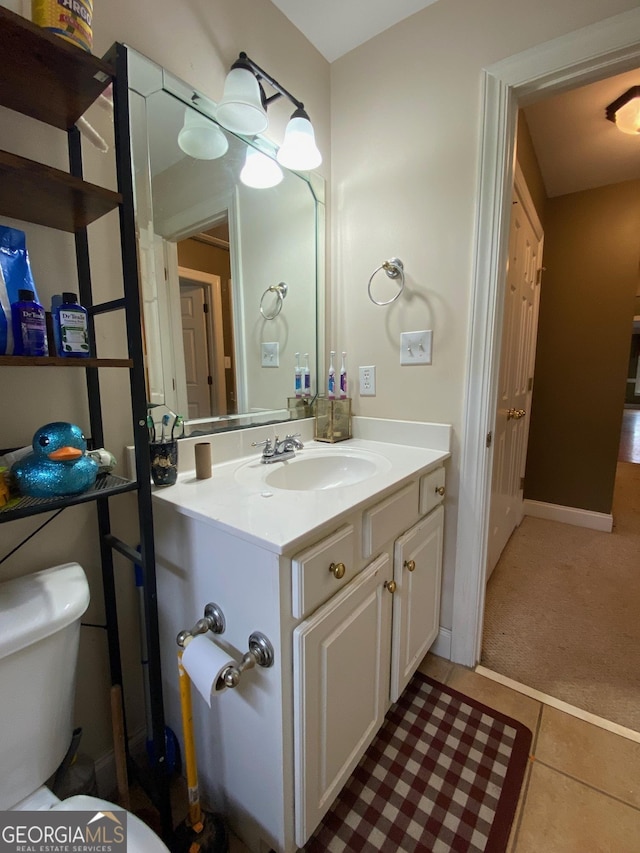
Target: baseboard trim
(442,644)
(569,515)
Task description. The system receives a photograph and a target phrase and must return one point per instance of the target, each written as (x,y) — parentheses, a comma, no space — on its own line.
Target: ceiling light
(299,150)
(260,171)
(200,137)
(625,111)
(241,109)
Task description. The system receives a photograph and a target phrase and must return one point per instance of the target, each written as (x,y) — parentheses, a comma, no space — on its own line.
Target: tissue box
(333,419)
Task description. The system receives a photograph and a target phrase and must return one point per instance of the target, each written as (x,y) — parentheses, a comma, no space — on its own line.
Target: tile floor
(581,791)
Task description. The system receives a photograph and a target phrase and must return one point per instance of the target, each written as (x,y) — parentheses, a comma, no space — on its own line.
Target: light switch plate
(415,347)
(271,354)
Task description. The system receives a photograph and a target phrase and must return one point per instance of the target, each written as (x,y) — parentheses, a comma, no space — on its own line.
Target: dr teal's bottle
(70,328)
(29,326)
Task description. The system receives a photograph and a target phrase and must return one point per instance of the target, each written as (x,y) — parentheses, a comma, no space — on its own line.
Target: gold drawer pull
(410,565)
(337,570)
(391,586)
(440,490)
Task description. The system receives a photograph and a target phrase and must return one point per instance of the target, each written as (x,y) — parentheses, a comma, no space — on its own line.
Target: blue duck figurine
(58,465)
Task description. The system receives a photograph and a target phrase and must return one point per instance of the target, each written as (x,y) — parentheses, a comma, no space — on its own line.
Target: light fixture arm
(243,61)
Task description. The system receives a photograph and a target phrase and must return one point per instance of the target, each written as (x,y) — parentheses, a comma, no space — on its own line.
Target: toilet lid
(140,838)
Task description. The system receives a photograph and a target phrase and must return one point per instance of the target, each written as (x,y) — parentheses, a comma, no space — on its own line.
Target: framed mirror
(231,276)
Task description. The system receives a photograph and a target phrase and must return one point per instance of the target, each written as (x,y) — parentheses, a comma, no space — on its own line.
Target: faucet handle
(266,444)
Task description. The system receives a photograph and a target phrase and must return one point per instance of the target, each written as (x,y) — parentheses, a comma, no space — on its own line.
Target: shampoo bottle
(298,377)
(307,376)
(70,326)
(331,384)
(29,326)
(343,377)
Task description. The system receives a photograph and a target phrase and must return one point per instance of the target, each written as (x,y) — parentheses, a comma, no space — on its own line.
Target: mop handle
(195,812)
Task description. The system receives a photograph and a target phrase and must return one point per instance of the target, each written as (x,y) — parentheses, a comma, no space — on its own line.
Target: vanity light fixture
(243,109)
(260,171)
(200,137)
(624,112)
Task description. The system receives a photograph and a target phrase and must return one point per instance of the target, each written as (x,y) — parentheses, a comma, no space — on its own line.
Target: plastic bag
(15,275)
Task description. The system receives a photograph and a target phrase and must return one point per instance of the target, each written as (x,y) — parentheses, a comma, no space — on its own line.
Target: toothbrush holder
(164,462)
(333,419)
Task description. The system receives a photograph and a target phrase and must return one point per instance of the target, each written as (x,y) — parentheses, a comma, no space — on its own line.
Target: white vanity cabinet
(350,608)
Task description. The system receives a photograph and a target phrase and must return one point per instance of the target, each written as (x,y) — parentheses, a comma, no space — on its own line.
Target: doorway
(592,53)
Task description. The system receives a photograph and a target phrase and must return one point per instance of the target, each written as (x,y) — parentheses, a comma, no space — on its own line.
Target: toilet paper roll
(202,452)
(205,662)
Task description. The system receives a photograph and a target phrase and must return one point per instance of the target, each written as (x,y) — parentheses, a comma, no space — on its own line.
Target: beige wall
(586,309)
(405,111)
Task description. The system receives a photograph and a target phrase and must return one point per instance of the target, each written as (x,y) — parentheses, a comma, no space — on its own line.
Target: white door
(341,690)
(417,570)
(196,349)
(520,324)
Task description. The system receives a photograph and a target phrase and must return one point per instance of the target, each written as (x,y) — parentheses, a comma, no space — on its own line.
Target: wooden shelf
(104,486)
(56,361)
(45,77)
(38,193)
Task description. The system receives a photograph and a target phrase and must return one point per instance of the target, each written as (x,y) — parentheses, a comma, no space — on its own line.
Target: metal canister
(69,19)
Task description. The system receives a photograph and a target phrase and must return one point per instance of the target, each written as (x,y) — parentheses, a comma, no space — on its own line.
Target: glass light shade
(240,109)
(200,137)
(299,150)
(260,171)
(628,117)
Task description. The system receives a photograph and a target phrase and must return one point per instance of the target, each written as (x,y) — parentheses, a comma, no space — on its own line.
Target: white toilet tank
(39,632)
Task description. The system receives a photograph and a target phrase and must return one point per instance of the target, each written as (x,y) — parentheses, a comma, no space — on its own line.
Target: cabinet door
(341,689)
(417,569)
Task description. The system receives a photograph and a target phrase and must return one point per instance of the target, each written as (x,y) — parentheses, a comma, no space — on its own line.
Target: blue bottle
(70,327)
(29,326)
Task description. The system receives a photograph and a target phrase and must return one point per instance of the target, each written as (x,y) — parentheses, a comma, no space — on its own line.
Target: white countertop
(236,499)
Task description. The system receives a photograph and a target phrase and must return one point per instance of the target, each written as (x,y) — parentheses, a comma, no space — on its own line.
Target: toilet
(39,635)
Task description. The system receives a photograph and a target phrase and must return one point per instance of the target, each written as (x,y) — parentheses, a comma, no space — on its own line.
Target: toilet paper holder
(260,648)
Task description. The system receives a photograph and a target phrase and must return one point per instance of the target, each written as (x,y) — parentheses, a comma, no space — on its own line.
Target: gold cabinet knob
(410,565)
(440,490)
(337,570)
(391,586)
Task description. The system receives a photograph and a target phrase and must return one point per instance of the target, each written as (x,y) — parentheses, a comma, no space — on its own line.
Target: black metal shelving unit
(45,78)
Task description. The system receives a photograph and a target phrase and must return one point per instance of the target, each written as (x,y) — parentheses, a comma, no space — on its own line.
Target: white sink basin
(316,471)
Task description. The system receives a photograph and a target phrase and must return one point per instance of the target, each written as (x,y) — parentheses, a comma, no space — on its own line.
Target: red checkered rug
(443,774)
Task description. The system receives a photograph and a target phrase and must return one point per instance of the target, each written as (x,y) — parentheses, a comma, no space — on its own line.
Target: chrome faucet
(279,451)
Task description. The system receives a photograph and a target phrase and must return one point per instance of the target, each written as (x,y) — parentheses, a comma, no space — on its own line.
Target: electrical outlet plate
(415,347)
(368,381)
(271,354)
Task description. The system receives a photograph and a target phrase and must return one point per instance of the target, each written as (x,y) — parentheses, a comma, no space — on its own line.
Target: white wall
(405,113)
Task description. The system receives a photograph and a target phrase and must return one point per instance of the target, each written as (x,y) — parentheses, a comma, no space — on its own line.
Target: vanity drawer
(390,517)
(431,490)
(322,570)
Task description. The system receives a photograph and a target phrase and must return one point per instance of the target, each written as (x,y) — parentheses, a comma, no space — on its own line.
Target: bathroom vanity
(335,556)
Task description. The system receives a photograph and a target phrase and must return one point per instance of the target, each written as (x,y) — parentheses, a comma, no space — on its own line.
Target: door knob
(391,586)
(410,565)
(337,570)
(516,414)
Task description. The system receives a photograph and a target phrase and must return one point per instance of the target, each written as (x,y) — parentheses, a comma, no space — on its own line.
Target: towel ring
(393,268)
(281,290)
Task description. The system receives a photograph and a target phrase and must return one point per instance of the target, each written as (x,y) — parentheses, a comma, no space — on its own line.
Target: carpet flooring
(442,776)
(563,606)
